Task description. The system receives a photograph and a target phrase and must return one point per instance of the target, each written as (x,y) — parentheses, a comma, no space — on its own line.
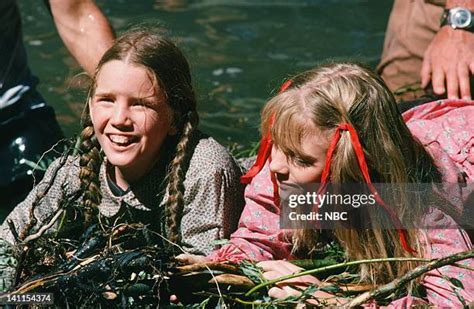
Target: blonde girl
(339,124)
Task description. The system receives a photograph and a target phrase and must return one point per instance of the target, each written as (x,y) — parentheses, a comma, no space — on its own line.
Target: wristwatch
(458,18)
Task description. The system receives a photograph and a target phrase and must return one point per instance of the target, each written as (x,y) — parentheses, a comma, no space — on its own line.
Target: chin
(120,161)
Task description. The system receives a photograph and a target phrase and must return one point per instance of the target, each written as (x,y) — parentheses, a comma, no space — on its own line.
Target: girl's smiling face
(131,118)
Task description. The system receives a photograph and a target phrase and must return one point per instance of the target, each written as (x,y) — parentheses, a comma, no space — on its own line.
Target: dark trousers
(28,128)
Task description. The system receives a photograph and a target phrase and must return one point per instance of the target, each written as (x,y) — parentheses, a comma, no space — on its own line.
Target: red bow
(365,172)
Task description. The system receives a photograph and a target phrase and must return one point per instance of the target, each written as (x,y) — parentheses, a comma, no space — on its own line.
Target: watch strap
(446,20)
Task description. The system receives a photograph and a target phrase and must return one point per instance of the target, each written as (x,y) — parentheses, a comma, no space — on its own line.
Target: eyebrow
(111,94)
(103,94)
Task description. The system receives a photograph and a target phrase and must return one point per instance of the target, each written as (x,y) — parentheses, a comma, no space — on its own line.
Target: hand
(276,269)
(188,259)
(449,60)
(283,289)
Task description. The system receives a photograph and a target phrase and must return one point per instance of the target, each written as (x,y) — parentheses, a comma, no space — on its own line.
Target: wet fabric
(15,76)
(28,127)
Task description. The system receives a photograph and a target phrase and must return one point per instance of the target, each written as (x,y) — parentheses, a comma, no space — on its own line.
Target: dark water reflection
(240,51)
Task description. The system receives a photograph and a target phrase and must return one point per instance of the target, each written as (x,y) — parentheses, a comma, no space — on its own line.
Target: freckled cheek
(308,175)
(99,117)
(156,130)
(145,123)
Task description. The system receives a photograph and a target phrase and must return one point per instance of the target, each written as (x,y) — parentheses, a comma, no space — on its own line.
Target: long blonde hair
(349,93)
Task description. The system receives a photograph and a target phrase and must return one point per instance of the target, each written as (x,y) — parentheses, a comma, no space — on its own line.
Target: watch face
(461,18)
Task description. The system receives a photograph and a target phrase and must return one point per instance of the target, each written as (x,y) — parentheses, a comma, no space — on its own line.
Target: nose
(279,163)
(121,115)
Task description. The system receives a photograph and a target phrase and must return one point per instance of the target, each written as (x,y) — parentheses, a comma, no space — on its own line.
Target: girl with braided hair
(141,160)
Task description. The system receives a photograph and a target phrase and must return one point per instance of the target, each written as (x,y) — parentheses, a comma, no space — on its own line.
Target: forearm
(469,4)
(84,30)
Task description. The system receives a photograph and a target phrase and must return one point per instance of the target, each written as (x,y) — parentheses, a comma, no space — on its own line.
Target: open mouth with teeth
(122,140)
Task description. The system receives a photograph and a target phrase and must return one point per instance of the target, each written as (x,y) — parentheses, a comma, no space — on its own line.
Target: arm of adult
(449,59)
(84,30)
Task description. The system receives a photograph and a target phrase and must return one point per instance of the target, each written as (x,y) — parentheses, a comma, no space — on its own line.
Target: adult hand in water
(448,62)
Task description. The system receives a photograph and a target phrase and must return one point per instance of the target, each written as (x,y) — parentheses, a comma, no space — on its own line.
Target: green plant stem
(238,300)
(326,268)
(75,151)
(463,266)
(414,273)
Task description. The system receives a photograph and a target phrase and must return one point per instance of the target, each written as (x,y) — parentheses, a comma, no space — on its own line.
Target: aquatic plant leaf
(220,242)
(331,289)
(252,271)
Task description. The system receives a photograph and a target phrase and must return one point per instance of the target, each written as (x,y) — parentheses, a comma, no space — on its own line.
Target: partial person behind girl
(141,161)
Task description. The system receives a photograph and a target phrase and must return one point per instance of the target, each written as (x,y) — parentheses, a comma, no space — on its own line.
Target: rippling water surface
(239,51)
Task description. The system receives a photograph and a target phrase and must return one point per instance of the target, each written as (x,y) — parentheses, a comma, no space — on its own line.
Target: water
(239,51)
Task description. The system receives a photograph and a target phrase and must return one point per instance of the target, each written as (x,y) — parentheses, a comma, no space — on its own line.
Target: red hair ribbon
(365,172)
(264,150)
(285,85)
(263,154)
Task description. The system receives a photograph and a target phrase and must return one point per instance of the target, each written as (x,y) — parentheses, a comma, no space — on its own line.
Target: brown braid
(146,47)
(175,203)
(90,162)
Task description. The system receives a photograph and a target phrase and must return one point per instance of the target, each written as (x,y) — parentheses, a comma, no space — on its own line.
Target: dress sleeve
(50,188)
(213,198)
(258,236)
